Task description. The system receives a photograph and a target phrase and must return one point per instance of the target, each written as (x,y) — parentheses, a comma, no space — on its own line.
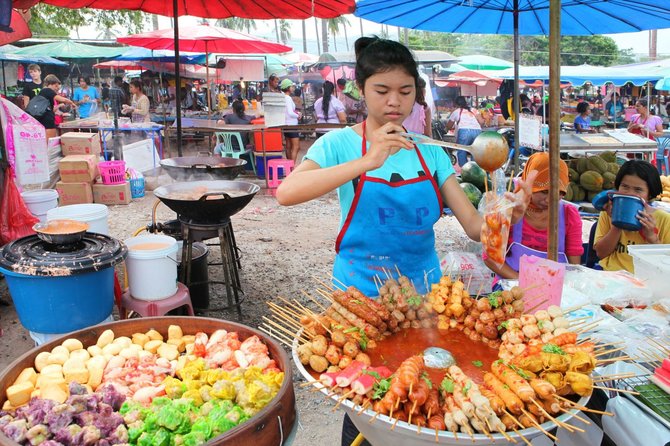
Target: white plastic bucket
(152,270)
(92,213)
(40,201)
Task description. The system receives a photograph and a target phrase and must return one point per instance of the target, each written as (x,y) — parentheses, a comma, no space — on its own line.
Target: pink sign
(542,282)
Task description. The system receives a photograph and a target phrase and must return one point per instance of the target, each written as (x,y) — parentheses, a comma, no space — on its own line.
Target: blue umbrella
(7,55)
(578,17)
(137,53)
(663,84)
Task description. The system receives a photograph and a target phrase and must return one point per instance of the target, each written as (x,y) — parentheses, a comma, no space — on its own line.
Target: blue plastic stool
(662,160)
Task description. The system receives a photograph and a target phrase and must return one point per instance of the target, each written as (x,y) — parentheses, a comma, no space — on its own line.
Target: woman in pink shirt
(529,236)
(645,124)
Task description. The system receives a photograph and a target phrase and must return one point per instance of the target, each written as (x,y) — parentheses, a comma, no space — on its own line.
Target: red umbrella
(205,38)
(20,27)
(219,9)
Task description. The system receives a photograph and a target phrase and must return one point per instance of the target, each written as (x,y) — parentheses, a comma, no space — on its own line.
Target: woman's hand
(649,230)
(383,141)
(521,197)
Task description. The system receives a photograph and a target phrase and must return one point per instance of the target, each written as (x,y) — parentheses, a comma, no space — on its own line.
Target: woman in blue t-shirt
(583,120)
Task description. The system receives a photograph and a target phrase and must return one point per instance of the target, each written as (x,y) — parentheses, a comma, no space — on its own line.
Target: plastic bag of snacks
(497,212)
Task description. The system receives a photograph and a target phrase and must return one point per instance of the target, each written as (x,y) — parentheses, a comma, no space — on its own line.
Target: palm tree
(334,28)
(237,24)
(324,35)
(316,26)
(284,31)
(304,36)
(154,21)
(107,34)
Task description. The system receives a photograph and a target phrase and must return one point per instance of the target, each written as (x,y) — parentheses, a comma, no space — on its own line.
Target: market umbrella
(205,38)
(19,27)
(663,84)
(68,49)
(481,62)
(119,65)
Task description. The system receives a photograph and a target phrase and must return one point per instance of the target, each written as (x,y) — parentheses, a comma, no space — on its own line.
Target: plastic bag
(16,221)
(497,211)
(470,266)
(617,288)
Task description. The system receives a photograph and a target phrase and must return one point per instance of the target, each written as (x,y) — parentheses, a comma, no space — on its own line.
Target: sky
(637,41)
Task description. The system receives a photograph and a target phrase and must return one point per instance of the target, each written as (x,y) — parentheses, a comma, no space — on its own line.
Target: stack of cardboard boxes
(79,171)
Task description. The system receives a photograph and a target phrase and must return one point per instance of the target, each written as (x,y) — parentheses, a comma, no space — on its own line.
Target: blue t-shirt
(584,123)
(85,107)
(344,145)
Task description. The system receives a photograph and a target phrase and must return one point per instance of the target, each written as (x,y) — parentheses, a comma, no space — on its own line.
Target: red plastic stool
(273,169)
(146,308)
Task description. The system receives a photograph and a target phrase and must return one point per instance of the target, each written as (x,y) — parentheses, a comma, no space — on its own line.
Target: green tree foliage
(575,50)
(237,24)
(51,21)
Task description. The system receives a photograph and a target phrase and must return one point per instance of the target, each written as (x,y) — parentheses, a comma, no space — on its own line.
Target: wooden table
(212,126)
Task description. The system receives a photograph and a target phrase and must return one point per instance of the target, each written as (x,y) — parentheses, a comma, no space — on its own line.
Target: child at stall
(583,120)
(641,179)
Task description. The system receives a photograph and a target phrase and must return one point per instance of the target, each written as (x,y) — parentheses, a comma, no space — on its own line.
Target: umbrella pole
(209,95)
(4,79)
(175,8)
(515,102)
(554,124)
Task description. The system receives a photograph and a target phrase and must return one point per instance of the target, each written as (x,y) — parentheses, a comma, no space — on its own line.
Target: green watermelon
(473,174)
(472,192)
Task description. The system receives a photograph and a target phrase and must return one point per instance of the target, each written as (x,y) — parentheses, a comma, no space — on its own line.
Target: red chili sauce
(413,341)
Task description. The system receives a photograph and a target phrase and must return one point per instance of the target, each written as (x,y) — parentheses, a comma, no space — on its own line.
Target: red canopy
(205,38)
(20,27)
(219,9)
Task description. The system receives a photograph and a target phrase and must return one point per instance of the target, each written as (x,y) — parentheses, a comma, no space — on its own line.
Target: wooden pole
(554,123)
(515,102)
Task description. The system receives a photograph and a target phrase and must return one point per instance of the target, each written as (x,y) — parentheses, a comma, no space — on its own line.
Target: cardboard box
(112,193)
(80,143)
(74,193)
(78,168)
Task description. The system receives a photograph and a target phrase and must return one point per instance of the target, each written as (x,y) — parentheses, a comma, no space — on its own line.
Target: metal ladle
(489,150)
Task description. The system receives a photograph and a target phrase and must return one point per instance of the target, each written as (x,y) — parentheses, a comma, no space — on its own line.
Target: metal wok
(196,167)
(207,201)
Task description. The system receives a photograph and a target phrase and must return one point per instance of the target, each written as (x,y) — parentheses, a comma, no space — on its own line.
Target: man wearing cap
(292,116)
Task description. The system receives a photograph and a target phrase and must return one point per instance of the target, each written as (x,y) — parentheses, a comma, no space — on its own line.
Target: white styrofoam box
(652,266)
(141,155)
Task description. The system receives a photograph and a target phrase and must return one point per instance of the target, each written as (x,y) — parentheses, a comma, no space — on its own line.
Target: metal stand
(230,260)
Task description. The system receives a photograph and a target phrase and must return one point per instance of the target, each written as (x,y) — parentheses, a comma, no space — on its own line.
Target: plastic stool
(146,308)
(273,169)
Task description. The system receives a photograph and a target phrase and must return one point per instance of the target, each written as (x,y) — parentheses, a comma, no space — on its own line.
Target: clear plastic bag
(497,212)
(616,288)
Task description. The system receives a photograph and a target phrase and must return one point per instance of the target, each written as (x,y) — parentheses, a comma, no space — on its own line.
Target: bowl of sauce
(61,232)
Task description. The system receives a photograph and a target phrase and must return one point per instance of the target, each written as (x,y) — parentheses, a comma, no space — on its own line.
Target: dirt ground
(284,251)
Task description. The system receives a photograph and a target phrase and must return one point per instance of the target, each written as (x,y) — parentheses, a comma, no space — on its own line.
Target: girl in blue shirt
(583,120)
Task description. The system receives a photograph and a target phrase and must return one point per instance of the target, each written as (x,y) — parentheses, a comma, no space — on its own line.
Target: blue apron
(389,225)
(516,249)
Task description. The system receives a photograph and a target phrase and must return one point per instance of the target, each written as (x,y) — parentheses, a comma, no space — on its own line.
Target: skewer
(297,310)
(364,406)
(339,282)
(537,425)
(324,284)
(285,330)
(437,435)
(571,309)
(310,297)
(663,348)
(455,432)
(583,420)
(469,281)
(588,327)
(288,312)
(522,437)
(487,432)
(530,310)
(532,287)
(409,421)
(509,183)
(469,432)
(607,352)
(583,408)
(516,421)
(294,324)
(614,389)
(371,420)
(653,354)
(398,270)
(578,321)
(275,335)
(395,422)
(605,378)
(507,436)
(342,398)
(584,340)
(570,428)
(618,358)
(418,429)
(479,292)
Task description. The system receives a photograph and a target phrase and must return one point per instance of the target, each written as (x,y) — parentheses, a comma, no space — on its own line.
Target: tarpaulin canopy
(137,53)
(119,65)
(581,74)
(7,54)
(205,38)
(466,77)
(481,62)
(68,49)
(219,9)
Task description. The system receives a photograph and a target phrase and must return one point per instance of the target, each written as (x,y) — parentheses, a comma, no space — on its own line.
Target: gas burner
(203,224)
(33,256)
